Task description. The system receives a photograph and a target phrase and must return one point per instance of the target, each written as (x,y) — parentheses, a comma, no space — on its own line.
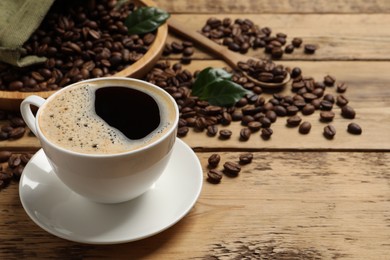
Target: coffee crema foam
(69,120)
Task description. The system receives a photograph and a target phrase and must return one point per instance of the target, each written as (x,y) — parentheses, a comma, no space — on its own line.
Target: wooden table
(303,196)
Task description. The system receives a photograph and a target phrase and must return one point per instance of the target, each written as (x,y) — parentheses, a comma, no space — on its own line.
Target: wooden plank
(271,6)
(368,93)
(282,206)
(338,37)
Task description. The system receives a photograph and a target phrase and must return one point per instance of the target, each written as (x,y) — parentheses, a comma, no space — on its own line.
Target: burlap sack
(18,20)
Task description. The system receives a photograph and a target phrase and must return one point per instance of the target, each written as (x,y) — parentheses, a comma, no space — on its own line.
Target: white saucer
(63,213)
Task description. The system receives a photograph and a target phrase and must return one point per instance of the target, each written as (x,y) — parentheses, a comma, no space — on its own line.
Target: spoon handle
(221,51)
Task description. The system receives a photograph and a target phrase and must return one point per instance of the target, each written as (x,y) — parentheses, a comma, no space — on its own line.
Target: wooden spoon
(230,57)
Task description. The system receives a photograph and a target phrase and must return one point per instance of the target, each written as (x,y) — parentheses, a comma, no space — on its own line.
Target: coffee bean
(354,128)
(182,131)
(296,72)
(294,120)
(329,131)
(14,161)
(272,116)
(280,111)
(4,156)
(310,48)
(212,130)
(266,133)
(327,116)
(214,176)
(17,172)
(292,110)
(5,178)
(254,126)
(214,160)
(225,134)
(341,100)
(289,48)
(296,42)
(329,80)
(326,105)
(245,158)
(245,134)
(342,87)
(348,112)
(17,133)
(305,128)
(308,109)
(231,168)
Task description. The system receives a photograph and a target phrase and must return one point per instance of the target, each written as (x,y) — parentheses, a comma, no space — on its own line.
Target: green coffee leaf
(145,19)
(215,86)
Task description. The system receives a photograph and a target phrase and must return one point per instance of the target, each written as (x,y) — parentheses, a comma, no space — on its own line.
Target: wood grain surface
(303,196)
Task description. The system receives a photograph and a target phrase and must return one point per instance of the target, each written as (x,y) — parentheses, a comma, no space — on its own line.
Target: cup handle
(28,116)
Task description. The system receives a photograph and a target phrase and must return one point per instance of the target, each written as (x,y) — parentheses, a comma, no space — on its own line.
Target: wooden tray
(10,100)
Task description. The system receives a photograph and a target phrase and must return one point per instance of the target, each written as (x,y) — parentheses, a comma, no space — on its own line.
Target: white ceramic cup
(107,178)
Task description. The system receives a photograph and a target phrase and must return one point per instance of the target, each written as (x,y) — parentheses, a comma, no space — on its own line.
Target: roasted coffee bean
(289,48)
(280,111)
(237,115)
(231,168)
(3,135)
(308,109)
(245,134)
(4,156)
(177,47)
(292,110)
(182,131)
(329,81)
(255,126)
(341,87)
(329,131)
(17,172)
(305,128)
(348,112)
(17,133)
(341,100)
(245,158)
(214,176)
(185,60)
(226,118)
(5,178)
(14,161)
(296,42)
(329,97)
(246,119)
(296,72)
(188,51)
(265,122)
(272,116)
(266,133)
(212,130)
(310,48)
(25,158)
(294,120)
(354,128)
(327,116)
(326,105)
(225,134)
(214,160)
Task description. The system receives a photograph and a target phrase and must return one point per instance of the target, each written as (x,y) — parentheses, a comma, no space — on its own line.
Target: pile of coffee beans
(13,127)
(81,40)
(12,166)
(230,168)
(186,49)
(242,34)
(264,70)
(253,111)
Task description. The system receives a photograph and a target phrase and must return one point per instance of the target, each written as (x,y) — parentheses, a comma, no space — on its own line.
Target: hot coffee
(105,117)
